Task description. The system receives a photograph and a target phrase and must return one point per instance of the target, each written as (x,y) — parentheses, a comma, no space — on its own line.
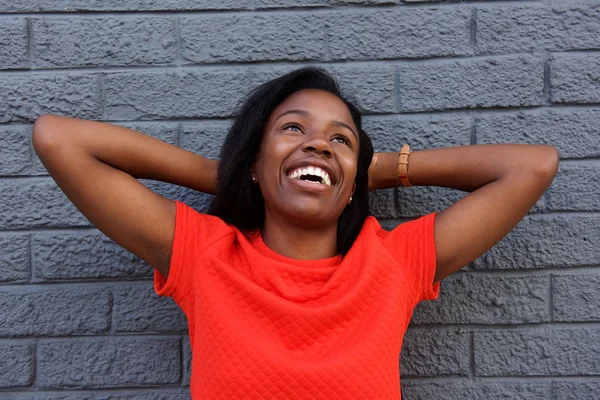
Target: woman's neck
(298,242)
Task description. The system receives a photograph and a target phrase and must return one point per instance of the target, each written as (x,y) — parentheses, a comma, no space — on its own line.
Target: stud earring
(253,179)
(350,200)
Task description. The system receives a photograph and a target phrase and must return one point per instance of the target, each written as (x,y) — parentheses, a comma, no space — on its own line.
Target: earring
(253,179)
(350,200)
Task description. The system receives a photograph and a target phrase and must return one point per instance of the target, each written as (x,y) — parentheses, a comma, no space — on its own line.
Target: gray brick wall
(78,317)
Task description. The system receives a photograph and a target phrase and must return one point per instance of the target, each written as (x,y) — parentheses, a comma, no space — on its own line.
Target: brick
(26,97)
(539,351)
(468,298)
(72,310)
(14,258)
(575,390)
(108,363)
(187,361)
(252,37)
(477,390)
(14,51)
(166,132)
(137,308)
(83,255)
(551,27)
(575,188)
(205,138)
(575,78)
(17,364)
(74,6)
(315,3)
(370,87)
(175,94)
(15,150)
(363,2)
(197,200)
(389,133)
(435,353)
(421,200)
(511,81)
(291,3)
(46,396)
(157,395)
(106,41)
(139,394)
(546,241)
(399,33)
(36,202)
(381,203)
(576,297)
(573,132)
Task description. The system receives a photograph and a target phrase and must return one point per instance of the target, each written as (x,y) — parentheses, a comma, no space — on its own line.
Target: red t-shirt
(264,326)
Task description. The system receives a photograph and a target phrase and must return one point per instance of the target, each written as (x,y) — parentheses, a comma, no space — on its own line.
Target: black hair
(238,200)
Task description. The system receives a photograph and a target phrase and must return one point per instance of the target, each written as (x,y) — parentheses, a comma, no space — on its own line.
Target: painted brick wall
(78,316)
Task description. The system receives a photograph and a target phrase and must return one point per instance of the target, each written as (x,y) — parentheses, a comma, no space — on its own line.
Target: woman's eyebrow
(299,112)
(344,125)
(305,113)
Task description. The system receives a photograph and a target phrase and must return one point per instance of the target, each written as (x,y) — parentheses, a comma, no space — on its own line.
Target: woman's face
(308,157)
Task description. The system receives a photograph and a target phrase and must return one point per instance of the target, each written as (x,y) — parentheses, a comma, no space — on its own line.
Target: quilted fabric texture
(264,326)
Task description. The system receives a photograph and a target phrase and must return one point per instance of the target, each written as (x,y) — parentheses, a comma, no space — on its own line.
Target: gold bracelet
(403,165)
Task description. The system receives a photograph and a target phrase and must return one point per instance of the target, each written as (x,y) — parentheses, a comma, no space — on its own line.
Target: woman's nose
(318,145)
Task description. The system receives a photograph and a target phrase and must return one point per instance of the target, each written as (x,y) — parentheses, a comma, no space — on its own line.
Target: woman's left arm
(505,181)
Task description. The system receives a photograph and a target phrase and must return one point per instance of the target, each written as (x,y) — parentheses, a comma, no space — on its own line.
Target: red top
(264,326)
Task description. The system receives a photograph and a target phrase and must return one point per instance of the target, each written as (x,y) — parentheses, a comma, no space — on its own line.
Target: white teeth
(310,170)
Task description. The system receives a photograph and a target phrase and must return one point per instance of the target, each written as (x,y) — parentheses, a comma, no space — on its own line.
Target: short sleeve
(194,232)
(412,243)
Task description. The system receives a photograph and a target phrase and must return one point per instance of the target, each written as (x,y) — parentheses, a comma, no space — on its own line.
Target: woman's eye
(342,139)
(293,127)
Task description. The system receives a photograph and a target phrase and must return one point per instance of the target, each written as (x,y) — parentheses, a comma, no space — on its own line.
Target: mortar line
(181,361)
(102,89)
(34,382)
(550,297)
(474,130)
(396,86)
(326,38)
(473,30)
(30,42)
(179,133)
(252,9)
(472,356)
(178,62)
(31,261)
(547,87)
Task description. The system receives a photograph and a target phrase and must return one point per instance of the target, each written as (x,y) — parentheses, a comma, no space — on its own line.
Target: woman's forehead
(314,103)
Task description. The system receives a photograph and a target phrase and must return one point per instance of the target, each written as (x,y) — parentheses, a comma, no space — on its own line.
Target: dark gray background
(78,316)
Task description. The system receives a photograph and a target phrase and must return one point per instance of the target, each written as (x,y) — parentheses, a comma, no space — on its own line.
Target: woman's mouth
(311,174)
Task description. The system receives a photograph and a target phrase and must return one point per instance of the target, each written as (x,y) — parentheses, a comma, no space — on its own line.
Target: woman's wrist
(383,172)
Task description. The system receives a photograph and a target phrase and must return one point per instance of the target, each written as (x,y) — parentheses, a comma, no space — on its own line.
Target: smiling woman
(297,120)
(291,289)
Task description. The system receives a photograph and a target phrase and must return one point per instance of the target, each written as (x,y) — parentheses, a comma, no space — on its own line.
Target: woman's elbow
(546,164)
(45,135)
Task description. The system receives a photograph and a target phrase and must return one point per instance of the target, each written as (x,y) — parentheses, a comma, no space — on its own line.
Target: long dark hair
(238,201)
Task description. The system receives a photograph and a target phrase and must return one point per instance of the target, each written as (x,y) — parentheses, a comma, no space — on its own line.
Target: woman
(290,289)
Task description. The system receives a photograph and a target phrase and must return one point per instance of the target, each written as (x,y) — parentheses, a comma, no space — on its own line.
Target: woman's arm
(96,165)
(505,181)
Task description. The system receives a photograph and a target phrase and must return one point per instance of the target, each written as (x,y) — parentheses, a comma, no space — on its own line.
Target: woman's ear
(253,173)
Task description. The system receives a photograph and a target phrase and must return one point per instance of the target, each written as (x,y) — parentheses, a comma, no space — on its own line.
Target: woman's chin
(311,215)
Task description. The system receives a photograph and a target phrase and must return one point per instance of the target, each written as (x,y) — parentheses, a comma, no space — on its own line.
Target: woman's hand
(503,180)
(373,171)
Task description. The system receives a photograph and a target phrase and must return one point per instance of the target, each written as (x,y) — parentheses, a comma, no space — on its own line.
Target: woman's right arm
(97,165)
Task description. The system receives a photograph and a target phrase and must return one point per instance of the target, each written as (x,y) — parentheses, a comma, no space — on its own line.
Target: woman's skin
(96,164)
